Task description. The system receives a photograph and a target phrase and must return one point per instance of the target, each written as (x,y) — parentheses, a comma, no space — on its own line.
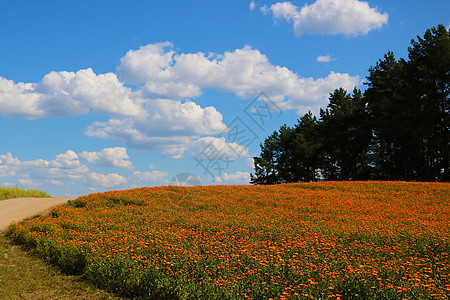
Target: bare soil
(18,209)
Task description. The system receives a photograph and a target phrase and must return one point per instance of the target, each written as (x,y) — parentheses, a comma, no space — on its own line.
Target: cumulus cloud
(68,94)
(67,160)
(9,165)
(148,177)
(324,58)
(185,179)
(155,113)
(252,5)
(284,10)
(162,77)
(234,178)
(212,148)
(348,17)
(215,155)
(170,124)
(9,160)
(108,180)
(109,157)
(175,151)
(56,182)
(65,166)
(29,184)
(139,66)
(244,72)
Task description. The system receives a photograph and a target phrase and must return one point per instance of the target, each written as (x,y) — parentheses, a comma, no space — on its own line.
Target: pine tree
(345,136)
(397,130)
(307,149)
(428,77)
(408,105)
(386,110)
(290,154)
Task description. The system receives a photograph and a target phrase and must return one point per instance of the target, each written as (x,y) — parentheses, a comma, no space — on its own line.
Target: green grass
(23,276)
(9,193)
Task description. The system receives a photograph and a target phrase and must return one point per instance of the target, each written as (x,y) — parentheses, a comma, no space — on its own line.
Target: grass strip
(25,277)
(9,193)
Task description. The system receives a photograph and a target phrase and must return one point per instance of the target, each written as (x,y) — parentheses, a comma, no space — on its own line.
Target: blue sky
(103,95)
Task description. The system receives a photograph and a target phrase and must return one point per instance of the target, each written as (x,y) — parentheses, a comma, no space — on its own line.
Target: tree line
(397,129)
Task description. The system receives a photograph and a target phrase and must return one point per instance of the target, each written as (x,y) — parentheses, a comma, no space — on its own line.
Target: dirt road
(21,208)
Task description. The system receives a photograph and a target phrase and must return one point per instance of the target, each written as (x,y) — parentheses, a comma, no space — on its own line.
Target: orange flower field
(325,240)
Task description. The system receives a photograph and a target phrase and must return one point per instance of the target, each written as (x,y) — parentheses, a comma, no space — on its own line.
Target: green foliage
(397,130)
(125,201)
(332,148)
(345,135)
(9,193)
(386,114)
(77,203)
(408,103)
(23,276)
(290,155)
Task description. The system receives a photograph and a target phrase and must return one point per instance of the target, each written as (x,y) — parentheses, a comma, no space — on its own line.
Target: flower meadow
(324,240)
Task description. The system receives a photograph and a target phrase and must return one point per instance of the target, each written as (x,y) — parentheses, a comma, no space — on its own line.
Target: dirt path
(20,208)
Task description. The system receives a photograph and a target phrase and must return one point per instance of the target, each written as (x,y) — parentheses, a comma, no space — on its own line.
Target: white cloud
(68,94)
(9,160)
(12,94)
(56,182)
(8,184)
(250,161)
(170,124)
(7,171)
(109,180)
(348,17)
(315,93)
(212,148)
(68,160)
(174,151)
(29,184)
(65,166)
(245,72)
(154,115)
(132,134)
(251,6)
(140,66)
(324,58)
(109,157)
(9,165)
(234,178)
(148,177)
(185,179)
(284,10)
